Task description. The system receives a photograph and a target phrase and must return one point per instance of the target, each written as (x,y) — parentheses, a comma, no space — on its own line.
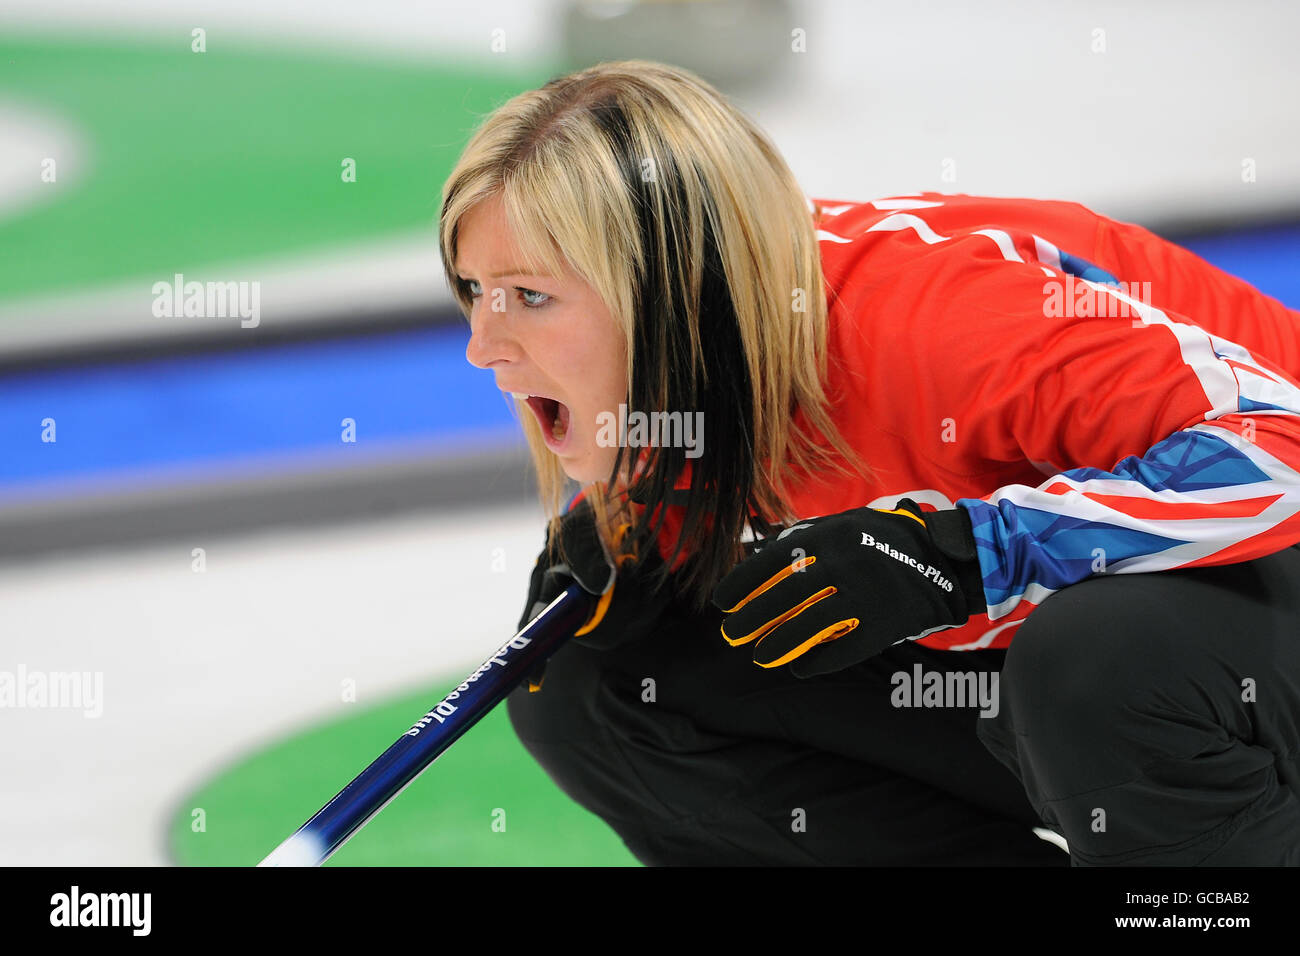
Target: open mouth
(552,415)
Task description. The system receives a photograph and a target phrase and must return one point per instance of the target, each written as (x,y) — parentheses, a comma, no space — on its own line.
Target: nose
(489,342)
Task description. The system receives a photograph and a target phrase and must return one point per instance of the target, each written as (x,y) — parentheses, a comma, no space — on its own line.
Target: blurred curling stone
(733,44)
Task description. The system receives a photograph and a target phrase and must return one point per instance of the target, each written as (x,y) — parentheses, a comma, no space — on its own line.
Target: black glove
(627,609)
(831,592)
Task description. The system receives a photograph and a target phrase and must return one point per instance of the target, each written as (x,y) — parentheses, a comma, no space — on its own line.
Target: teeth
(558,431)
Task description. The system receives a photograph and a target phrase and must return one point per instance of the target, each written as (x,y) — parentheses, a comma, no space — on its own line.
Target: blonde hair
(684,218)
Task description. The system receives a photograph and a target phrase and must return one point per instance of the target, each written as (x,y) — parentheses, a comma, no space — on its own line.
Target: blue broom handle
(440,727)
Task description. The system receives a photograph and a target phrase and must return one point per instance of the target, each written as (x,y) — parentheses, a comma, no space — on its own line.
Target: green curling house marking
(485,802)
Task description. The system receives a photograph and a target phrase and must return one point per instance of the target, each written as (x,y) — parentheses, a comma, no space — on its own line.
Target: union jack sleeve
(1167,446)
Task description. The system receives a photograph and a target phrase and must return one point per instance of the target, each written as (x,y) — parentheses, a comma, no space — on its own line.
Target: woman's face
(545,336)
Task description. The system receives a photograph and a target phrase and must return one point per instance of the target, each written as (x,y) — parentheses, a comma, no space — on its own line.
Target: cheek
(599,372)
(592,355)
(614,369)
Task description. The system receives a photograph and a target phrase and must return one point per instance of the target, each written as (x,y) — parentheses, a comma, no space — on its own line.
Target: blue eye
(474,290)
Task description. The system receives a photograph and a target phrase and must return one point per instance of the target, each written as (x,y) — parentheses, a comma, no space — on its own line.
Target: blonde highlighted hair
(684,218)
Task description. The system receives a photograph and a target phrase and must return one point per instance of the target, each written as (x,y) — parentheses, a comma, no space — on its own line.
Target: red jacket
(1100,400)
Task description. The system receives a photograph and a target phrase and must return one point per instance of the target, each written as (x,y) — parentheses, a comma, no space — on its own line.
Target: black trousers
(1149,719)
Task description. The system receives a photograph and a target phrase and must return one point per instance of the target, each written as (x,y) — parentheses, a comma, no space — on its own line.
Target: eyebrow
(516,272)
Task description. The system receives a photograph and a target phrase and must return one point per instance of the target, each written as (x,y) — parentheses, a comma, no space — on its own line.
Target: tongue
(560,426)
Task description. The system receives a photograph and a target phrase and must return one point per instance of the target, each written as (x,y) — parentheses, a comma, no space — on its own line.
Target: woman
(932,415)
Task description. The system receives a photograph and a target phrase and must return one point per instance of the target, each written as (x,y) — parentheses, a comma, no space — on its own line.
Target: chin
(576,471)
(585,471)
